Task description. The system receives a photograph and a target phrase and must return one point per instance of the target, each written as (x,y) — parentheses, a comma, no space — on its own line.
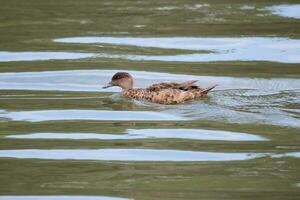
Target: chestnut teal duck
(162,93)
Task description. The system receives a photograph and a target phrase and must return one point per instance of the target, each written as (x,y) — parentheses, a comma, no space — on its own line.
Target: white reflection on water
(93,80)
(126,155)
(292,10)
(273,49)
(61,197)
(104,115)
(191,134)
(6,56)
(291,154)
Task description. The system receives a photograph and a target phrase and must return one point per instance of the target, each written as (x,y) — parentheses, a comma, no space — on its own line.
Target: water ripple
(291,10)
(272,49)
(6,56)
(237,115)
(191,134)
(126,155)
(236,100)
(93,80)
(60,197)
(104,115)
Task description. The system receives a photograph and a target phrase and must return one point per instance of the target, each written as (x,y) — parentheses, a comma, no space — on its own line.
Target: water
(33,56)
(64,137)
(192,134)
(219,49)
(50,115)
(274,49)
(61,197)
(94,80)
(125,155)
(286,10)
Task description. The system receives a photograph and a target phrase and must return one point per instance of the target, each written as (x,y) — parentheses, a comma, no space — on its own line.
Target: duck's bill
(107,86)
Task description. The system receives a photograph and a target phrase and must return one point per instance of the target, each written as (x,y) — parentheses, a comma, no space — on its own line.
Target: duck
(161,93)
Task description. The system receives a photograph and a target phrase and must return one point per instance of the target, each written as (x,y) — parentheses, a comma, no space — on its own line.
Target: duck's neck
(126,85)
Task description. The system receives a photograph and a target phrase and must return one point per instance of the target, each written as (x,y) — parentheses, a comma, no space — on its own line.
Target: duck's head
(121,79)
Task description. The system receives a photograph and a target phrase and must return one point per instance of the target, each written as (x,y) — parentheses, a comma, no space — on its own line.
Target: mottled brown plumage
(163,93)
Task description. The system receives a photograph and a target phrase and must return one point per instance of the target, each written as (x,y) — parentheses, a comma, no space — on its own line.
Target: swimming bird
(162,93)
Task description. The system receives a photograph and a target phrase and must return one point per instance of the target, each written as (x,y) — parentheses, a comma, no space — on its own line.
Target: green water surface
(267,106)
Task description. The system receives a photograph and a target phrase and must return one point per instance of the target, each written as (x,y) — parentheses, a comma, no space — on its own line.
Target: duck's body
(163,93)
(167,93)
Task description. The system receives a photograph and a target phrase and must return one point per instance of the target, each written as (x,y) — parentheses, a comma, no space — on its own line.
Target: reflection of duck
(163,93)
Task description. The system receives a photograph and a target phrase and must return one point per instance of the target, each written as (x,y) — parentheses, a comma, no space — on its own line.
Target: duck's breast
(136,93)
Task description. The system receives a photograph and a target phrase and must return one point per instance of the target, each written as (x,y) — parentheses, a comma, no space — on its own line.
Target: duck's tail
(206,90)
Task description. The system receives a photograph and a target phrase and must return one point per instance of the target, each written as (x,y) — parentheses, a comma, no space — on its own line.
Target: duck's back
(168,92)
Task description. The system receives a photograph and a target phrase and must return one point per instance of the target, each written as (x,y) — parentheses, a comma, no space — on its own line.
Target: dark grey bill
(107,86)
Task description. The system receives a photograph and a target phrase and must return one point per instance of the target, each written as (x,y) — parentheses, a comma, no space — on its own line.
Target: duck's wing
(173,85)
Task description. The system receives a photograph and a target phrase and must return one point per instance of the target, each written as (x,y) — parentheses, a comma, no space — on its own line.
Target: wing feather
(173,85)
